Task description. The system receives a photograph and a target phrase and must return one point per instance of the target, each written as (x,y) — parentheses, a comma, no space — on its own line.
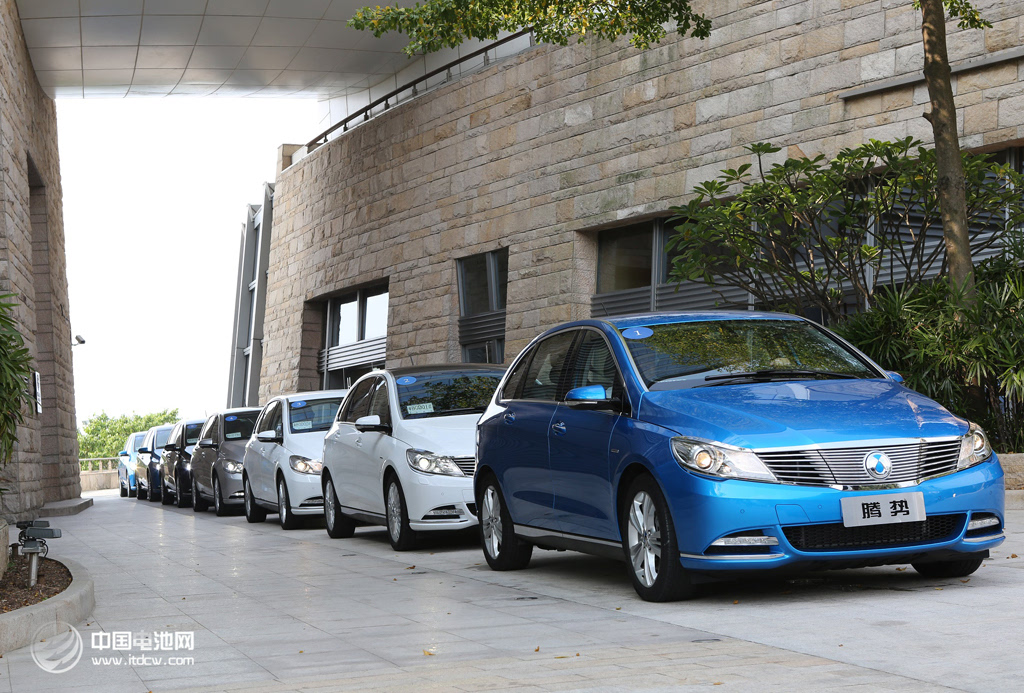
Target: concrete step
(71,506)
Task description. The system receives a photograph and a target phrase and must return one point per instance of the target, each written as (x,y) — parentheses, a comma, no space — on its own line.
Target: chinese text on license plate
(883,509)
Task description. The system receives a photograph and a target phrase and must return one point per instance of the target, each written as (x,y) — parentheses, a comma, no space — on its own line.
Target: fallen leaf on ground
(900,570)
(618,608)
(537,649)
(939,589)
(428,653)
(736,601)
(1013,555)
(410,567)
(966,581)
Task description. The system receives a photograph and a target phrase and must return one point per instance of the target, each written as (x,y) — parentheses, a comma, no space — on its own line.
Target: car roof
(666,318)
(161,427)
(192,421)
(240,410)
(440,367)
(312,394)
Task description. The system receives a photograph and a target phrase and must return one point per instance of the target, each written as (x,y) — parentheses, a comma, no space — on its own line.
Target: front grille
(845,466)
(467,465)
(831,537)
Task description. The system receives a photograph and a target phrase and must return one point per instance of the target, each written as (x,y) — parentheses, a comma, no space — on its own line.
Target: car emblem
(878,465)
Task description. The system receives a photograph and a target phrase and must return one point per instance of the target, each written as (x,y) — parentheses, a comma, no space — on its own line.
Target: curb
(73,605)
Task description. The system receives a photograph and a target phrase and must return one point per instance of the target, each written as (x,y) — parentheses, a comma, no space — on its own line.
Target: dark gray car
(175,463)
(217,460)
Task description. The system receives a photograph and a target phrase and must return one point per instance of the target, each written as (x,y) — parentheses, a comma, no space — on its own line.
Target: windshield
(192,433)
(239,426)
(313,415)
(161,437)
(723,352)
(446,393)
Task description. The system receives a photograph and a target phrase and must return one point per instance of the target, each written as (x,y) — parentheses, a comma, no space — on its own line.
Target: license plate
(883,509)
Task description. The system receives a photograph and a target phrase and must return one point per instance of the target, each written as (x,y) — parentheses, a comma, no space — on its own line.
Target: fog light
(746,541)
(982,522)
(449,511)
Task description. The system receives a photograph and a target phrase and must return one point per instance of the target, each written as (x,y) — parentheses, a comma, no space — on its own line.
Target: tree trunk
(949,164)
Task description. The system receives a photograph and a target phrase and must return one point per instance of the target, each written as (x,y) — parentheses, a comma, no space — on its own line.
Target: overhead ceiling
(280,48)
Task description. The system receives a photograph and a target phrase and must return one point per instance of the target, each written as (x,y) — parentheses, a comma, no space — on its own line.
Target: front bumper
(436,502)
(231,488)
(305,494)
(808,525)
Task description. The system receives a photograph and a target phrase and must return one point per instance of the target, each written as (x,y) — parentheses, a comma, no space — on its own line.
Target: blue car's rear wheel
(649,542)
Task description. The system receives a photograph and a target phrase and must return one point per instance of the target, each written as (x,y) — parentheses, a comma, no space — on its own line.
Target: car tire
(948,569)
(132,492)
(401,536)
(153,493)
(124,488)
(140,493)
(218,501)
(165,495)
(650,545)
(285,516)
(339,525)
(199,503)
(253,512)
(179,495)
(502,548)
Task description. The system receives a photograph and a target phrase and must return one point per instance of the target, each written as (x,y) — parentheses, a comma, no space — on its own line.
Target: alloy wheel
(216,498)
(394,512)
(282,502)
(329,508)
(490,522)
(644,539)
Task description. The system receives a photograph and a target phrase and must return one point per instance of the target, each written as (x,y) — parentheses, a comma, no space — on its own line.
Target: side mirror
(171,447)
(591,397)
(123,453)
(268,437)
(895,376)
(207,443)
(144,451)
(371,423)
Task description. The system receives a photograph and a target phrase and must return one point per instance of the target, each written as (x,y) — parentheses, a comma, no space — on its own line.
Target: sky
(155,195)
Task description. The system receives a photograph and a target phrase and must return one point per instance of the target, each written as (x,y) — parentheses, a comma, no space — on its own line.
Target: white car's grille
(467,465)
(845,466)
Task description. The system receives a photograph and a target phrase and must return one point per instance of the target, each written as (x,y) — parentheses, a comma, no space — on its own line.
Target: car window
(446,393)
(192,433)
(267,419)
(515,378)
(147,442)
(136,442)
(162,436)
(239,426)
(594,365)
(208,428)
(379,402)
(358,401)
(545,371)
(306,415)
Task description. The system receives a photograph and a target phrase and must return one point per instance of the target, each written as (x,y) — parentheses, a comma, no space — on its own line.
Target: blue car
(698,446)
(126,463)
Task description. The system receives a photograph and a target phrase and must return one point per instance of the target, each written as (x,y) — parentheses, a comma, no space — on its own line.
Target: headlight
(429,463)
(716,459)
(232,467)
(304,465)
(975,448)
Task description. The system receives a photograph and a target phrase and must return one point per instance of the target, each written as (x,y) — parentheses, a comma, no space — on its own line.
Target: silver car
(217,460)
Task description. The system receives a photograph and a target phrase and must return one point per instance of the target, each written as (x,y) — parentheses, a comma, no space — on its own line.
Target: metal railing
(364,112)
(99,464)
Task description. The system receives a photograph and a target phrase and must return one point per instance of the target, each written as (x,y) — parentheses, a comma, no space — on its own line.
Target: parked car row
(694,446)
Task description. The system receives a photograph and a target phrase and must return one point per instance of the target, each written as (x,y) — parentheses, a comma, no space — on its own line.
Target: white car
(281,465)
(402,451)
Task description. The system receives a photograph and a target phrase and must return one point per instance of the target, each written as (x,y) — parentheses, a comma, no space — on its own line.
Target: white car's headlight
(304,465)
(233,467)
(429,463)
(974,448)
(716,459)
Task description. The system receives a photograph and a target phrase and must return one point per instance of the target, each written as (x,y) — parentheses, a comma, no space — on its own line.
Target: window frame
(332,317)
(560,386)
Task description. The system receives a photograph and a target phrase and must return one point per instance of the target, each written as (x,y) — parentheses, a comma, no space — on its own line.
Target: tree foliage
(103,436)
(810,235)
(15,372)
(437,24)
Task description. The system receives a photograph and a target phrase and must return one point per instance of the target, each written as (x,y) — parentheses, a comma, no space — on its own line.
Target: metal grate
(467,465)
(845,466)
(835,536)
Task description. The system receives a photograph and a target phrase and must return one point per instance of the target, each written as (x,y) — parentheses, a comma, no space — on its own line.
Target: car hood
(767,415)
(309,445)
(444,435)
(233,449)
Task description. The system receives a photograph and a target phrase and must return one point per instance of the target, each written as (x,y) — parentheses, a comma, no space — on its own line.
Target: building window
(483,287)
(625,257)
(358,316)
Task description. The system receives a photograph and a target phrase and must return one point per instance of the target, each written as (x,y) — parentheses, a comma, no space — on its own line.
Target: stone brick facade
(32,266)
(539,150)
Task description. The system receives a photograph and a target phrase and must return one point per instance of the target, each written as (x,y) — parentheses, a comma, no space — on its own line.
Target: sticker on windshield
(426,408)
(302,425)
(298,405)
(407,380)
(229,436)
(637,333)
(231,418)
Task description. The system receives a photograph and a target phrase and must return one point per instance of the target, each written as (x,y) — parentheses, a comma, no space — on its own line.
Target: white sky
(155,195)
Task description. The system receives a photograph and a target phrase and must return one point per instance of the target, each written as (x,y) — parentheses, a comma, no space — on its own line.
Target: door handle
(558,427)
(359,442)
(510,417)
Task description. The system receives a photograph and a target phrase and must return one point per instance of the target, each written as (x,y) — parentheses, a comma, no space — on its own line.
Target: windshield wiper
(777,373)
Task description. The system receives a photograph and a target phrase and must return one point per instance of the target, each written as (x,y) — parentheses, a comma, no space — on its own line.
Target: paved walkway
(298,611)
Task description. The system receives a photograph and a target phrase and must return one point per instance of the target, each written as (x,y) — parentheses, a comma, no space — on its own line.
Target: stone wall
(540,149)
(32,265)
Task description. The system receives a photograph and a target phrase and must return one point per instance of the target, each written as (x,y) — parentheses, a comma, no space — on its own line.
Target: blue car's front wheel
(649,542)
